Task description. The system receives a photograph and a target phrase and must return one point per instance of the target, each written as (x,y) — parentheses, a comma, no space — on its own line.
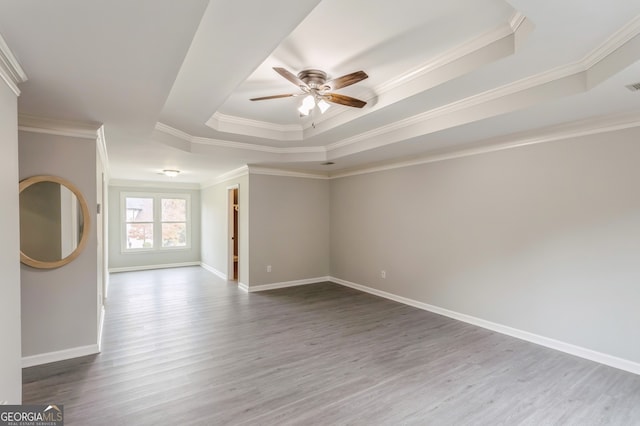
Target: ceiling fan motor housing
(315,79)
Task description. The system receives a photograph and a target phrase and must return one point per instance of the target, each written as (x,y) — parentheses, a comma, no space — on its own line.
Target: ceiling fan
(314,84)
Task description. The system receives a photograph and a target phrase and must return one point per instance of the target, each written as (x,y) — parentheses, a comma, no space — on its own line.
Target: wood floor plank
(180,346)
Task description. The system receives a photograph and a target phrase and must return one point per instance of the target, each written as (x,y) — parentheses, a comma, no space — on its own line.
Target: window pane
(139,235)
(174,210)
(174,234)
(139,209)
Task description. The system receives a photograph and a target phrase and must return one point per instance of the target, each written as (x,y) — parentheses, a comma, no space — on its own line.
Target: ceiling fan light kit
(314,84)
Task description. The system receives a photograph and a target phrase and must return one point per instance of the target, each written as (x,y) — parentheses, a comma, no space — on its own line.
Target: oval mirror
(54,222)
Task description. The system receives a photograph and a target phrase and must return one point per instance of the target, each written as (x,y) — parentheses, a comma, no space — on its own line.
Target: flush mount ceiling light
(171,172)
(315,86)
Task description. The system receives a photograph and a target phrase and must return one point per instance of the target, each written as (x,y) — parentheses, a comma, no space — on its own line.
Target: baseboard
(30,361)
(101,328)
(599,357)
(243,287)
(106,286)
(273,286)
(214,271)
(148,267)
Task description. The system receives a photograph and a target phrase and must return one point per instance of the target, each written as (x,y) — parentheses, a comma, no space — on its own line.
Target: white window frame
(157,221)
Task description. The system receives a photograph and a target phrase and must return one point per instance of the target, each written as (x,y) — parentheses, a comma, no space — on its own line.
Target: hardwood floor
(183,347)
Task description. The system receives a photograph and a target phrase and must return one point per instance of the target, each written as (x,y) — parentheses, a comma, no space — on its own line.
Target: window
(155,221)
(174,222)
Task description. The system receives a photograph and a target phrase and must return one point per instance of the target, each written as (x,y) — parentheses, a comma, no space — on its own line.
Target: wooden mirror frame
(34,263)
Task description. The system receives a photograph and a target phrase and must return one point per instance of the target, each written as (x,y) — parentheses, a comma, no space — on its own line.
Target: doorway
(233,233)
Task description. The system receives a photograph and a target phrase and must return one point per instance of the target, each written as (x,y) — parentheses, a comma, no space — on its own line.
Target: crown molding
(10,70)
(235,124)
(596,56)
(516,21)
(161,127)
(102,151)
(556,133)
(439,62)
(76,129)
(576,74)
(256,170)
(260,148)
(462,104)
(265,125)
(613,43)
(233,174)
(126,183)
(575,129)
(248,127)
(450,56)
(238,145)
(516,24)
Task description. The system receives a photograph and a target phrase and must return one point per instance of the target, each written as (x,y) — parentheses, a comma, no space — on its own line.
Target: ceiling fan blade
(288,95)
(344,100)
(347,80)
(291,77)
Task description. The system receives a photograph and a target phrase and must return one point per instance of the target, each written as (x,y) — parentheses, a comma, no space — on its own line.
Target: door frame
(233,190)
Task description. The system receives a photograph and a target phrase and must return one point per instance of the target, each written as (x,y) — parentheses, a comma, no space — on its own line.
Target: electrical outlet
(383,274)
(268,268)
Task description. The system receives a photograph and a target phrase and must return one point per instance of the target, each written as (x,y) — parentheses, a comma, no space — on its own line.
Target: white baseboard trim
(32,360)
(602,358)
(214,271)
(273,286)
(243,287)
(106,286)
(148,267)
(101,328)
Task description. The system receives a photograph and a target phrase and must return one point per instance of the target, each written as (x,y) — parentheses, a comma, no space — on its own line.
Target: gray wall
(289,222)
(59,305)
(544,238)
(10,353)
(117,259)
(215,220)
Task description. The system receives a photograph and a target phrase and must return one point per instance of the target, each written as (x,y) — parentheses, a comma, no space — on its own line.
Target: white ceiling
(171,81)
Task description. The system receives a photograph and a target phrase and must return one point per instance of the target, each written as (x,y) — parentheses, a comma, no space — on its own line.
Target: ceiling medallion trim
(10,70)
